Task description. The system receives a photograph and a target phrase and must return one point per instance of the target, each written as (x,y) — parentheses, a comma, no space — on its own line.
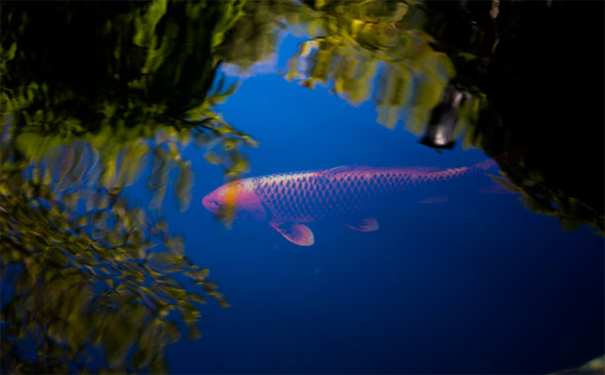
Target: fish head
(236,199)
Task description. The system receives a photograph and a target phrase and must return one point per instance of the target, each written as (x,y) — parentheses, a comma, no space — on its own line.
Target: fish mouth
(210,204)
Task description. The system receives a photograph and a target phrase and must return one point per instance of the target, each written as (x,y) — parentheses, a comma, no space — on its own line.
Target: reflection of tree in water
(357,44)
(91,275)
(252,38)
(130,70)
(92,97)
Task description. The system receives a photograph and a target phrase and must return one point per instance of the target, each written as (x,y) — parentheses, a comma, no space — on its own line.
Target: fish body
(351,194)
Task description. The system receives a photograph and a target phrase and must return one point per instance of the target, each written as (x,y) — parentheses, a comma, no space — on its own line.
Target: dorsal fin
(347,168)
(423,169)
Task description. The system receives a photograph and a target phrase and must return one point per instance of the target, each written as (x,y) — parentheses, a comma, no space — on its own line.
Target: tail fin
(486,164)
(501,185)
(505,158)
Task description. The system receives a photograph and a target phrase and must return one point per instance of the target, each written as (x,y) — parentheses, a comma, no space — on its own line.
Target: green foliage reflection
(93,275)
(352,47)
(90,275)
(353,43)
(131,70)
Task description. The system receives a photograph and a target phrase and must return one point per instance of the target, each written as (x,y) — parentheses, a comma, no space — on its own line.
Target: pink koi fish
(290,200)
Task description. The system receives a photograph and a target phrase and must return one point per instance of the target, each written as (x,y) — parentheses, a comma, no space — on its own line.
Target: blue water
(475,284)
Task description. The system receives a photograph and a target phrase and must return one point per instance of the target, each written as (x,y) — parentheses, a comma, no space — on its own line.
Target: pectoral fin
(365,225)
(298,234)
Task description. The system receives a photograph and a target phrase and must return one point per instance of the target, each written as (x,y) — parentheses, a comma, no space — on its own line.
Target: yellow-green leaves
(87,283)
(151,69)
(251,37)
(183,185)
(229,14)
(213,158)
(146,22)
(95,273)
(362,42)
(100,281)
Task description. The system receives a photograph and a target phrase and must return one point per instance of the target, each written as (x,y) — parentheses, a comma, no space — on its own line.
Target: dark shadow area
(544,93)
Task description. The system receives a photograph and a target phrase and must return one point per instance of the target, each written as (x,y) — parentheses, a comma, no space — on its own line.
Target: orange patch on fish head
(236,199)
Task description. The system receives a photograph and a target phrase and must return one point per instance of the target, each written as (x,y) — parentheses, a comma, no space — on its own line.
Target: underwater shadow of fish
(351,194)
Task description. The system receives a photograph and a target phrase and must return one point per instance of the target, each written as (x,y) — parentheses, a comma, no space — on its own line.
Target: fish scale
(309,196)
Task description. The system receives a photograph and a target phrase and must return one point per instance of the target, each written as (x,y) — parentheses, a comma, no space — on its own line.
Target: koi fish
(290,200)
